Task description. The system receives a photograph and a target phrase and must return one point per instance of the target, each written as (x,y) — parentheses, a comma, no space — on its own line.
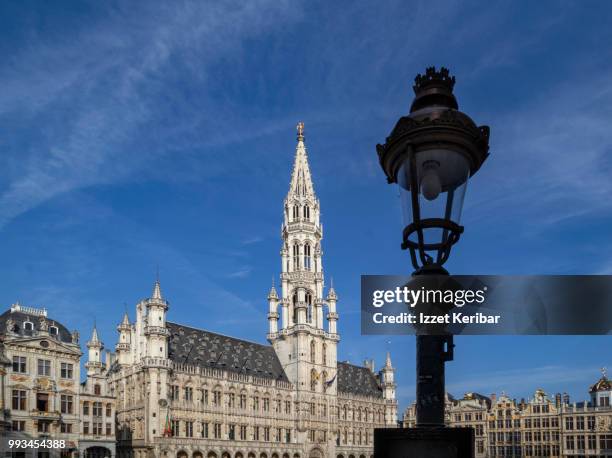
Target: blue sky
(141,134)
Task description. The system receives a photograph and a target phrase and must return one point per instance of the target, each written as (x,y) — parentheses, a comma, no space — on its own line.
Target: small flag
(167,428)
(330,382)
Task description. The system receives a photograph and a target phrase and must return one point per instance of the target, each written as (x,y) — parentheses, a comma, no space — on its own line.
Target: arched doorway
(198,454)
(97,452)
(182,454)
(316,453)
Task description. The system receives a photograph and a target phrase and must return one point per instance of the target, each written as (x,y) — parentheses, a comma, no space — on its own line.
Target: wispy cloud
(242,273)
(105,89)
(558,149)
(252,240)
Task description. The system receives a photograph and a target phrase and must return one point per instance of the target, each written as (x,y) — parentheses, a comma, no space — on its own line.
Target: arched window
(312,351)
(296,212)
(313,379)
(97,389)
(53,330)
(307,212)
(296,256)
(295,301)
(307,258)
(324,354)
(309,308)
(28,326)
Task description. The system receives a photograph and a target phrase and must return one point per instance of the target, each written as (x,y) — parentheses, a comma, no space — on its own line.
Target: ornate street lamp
(431,154)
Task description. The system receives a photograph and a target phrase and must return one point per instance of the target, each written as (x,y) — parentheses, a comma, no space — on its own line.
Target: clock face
(163,403)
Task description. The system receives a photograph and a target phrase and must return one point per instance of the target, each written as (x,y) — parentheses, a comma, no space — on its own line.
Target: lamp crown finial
(432,76)
(300,130)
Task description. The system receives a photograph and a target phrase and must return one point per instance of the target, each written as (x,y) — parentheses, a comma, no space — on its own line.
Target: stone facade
(41,396)
(540,427)
(186,392)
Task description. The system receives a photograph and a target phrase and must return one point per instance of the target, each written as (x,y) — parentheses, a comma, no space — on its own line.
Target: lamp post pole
(431,153)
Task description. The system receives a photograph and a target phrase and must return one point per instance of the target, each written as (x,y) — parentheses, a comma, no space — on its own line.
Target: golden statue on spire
(300,130)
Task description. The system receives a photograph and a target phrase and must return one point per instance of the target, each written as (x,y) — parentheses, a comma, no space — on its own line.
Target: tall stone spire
(306,347)
(302,298)
(301,180)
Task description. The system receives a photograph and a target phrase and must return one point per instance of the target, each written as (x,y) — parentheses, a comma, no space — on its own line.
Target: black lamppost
(431,154)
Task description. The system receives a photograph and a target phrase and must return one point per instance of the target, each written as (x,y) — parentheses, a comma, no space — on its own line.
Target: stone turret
(94,361)
(123,346)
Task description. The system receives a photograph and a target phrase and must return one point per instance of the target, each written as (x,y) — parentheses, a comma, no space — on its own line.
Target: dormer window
(28,326)
(53,330)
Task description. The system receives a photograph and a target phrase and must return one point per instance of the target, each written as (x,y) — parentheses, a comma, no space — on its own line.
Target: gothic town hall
(187,392)
(179,391)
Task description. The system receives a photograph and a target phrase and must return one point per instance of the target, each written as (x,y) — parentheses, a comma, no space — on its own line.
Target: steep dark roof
(357,380)
(207,349)
(19,318)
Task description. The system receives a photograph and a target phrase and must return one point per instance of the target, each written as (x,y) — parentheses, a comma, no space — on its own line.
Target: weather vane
(604,372)
(300,129)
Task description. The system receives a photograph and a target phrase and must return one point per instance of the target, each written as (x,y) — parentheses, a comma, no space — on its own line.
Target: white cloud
(242,273)
(86,99)
(550,159)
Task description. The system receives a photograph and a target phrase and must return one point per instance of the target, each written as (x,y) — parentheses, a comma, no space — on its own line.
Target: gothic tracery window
(307,258)
(307,212)
(312,351)
(313,379)
(296,256)
(309,307)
